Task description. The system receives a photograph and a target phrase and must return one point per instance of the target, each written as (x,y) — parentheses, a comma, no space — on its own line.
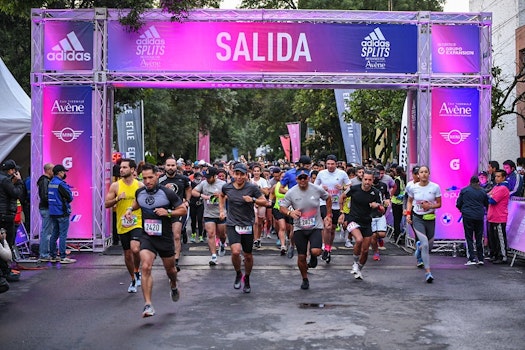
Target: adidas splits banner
(263,47)
(66,140)
(454,152)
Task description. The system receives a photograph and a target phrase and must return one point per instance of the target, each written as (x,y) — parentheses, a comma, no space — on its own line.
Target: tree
(507,96)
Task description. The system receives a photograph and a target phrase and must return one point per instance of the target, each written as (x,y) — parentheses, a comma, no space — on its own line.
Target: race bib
(307,222)
(214,200)
(244,230)
(352,226)
(128,223)
(280,201)
(335,198)
(153,227)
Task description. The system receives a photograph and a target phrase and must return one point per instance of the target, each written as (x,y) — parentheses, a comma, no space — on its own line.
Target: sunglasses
(302,177)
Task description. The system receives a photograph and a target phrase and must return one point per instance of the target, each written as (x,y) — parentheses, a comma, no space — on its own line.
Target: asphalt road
(86,305)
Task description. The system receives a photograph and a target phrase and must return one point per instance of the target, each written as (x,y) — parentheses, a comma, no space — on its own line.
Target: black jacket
(43,185)
(472,203)
(9,193)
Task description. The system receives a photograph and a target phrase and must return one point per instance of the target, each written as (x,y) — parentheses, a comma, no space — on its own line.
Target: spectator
(497,217)
(514,180)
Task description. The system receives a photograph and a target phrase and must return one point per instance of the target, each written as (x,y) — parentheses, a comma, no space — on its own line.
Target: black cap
(331,157)
(276,170)
(211,173)
(483,173)
(415,169)
(240,167)
(304,159)
(9,164)
(58,168)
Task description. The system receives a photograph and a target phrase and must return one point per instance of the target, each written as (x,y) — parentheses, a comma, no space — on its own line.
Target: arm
(65,192)
(187,193)
(112,197)
(222,206)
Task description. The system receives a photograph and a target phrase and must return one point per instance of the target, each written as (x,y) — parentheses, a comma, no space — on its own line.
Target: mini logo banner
(68,46)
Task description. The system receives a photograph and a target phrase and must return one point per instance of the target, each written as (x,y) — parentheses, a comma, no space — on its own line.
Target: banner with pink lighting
(66,140)
(204,147)
(455,49)
(285,142)
(294,130)
(263,47)
(516,225)
(454,152)
(68,45)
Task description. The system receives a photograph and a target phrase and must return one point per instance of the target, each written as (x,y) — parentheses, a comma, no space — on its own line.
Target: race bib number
(419,207)
(307,222)
(280,201)
(153,227)
(214,200)
(352,226)
(128,223)
(244,230)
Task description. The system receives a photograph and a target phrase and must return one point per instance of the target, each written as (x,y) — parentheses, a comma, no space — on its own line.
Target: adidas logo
(375,45)
(150,37)
(69,49)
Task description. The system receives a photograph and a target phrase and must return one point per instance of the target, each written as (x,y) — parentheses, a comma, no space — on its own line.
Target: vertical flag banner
(455,49)
(66,140)
(204,147)
(454,152)
(294,129)
(68,45)
(235,153)
(129,133)
(408,134)
(350,131)
(285,142)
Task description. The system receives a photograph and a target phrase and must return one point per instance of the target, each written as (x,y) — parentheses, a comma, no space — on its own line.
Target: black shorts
(214,220)
(162,245)
(335,214)
(365,228)
(133,235)
(246,241)
(277,215)
(302,237)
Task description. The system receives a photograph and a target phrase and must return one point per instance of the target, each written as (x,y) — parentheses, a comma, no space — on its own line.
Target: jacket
(59,196)
(43,187)
(9,194)
(472,203)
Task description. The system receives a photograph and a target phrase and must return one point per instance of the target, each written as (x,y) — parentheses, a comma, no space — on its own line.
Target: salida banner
(66,140)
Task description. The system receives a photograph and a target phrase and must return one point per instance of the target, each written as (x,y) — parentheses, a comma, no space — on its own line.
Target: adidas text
(69,56)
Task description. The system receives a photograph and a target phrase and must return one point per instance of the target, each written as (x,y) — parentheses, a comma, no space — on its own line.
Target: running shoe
(358,275)
(348,243)
(257,244)
(481,262)
(313,262)
(175,295)
(329,257)
(420,264)
(290,252)
(177,266)
(325,255)
(45,259)
(138,278)
(237,283)
(428,277)
(355,268)
(377,257)
(213,260)
(246,288)
(222,250)
(67,261)
(278,242)
(148,311)
(201,239)
(192,238)
(283,251)
(306,284)
(132,287)
(381,244)
(470,262)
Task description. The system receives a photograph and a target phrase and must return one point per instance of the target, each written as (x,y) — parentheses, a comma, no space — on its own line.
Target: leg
(63,228)
(171,271)
(478,235)
(211,229)
(468,227)
(54,237)
(45,234)
(177,229)
(364,251)
(147,257)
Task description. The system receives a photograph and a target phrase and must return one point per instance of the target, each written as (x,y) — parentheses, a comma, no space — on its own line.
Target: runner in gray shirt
(301,202)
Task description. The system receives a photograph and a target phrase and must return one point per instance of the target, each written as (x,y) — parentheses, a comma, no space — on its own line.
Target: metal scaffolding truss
(103,82)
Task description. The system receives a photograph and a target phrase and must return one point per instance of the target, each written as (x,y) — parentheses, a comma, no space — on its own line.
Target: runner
(302,204)
(159,207)
(240,217)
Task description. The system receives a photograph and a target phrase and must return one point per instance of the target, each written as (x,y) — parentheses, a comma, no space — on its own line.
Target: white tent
(15,113)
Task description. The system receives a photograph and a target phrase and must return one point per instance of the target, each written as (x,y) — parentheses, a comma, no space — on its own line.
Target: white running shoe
(348,243)
(358,275)
(222,250)
(213,260)
(355,268)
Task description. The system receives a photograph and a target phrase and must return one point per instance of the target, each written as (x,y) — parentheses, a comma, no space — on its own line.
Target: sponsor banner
(453,152)
(412,131)
(516,225)
(285,142)
(455,49)
(129,133)
(204,147)
(66,140)
(350,131)
(294,130)
(263,47)
(235,153)
(68,45)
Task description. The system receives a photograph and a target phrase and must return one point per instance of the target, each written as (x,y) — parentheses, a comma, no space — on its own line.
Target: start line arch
(79,58)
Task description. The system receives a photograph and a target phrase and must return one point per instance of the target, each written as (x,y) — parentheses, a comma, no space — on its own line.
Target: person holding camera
(11,189)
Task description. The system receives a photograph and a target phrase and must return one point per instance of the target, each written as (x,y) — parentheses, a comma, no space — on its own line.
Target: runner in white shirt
(333,181)
(260,211)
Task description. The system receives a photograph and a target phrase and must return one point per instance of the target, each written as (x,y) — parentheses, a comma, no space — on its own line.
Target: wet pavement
(86,305)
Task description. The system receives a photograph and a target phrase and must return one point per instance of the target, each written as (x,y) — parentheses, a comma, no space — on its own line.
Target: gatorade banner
(455,49)
(263,47)
(66,140)
(294,129)
(454,152)
(68,45)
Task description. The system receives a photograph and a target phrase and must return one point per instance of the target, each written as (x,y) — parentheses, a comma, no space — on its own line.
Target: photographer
(11,189)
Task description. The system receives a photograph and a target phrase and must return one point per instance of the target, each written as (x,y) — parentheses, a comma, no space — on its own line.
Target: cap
(9,164)
(58,168)
(211,173)
(304,159)
(276,170)
(302,171)
(484,173)
(240,167)
(415,169)
(331,157)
